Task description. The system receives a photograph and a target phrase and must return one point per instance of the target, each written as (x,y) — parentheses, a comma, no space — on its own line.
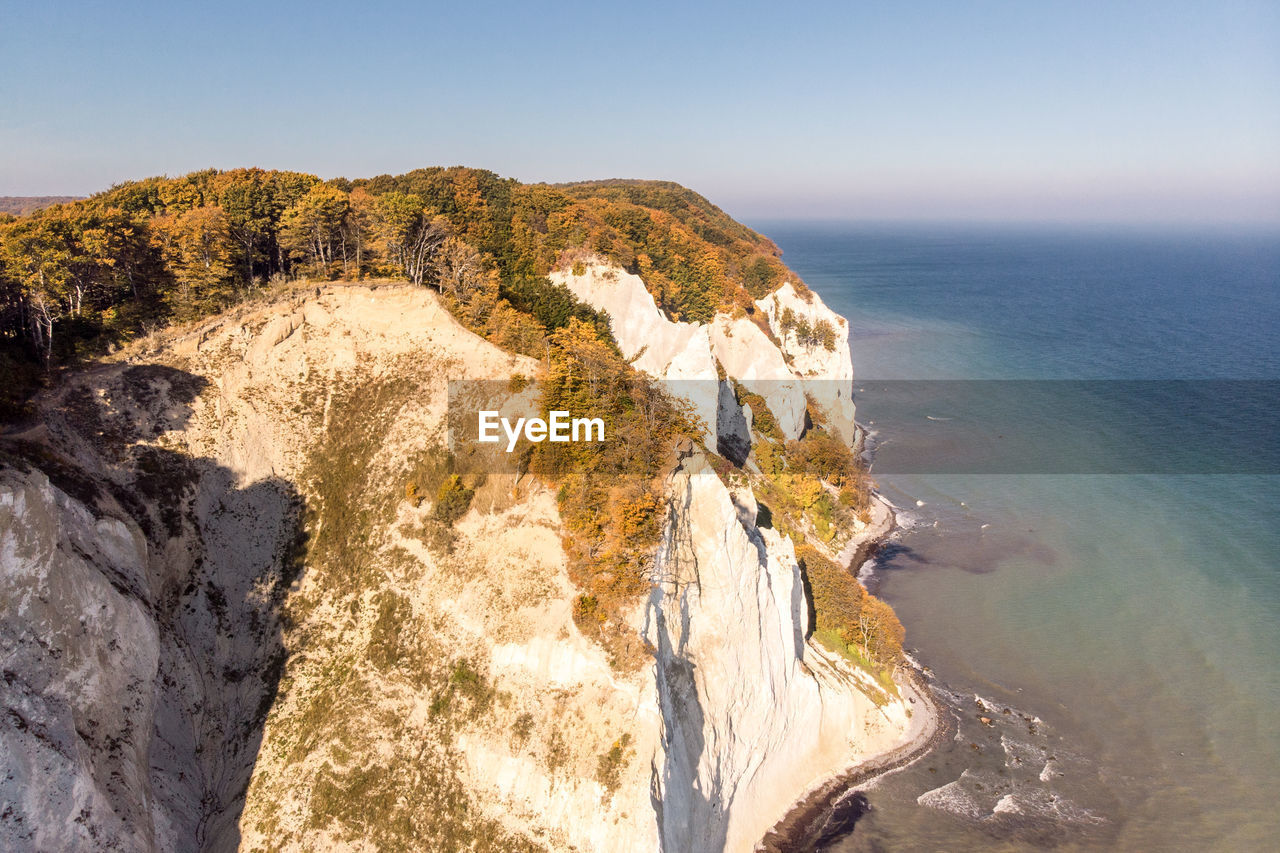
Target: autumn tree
(125,243)
(879,632)
(459,269)
(197,248)
(847,612)
(313,225)
(787,321)
(254,200)
(37,260)
(245,199)
(409,235)
(808,335)
(357,228)
(178,195)
(85,240)
(98,270)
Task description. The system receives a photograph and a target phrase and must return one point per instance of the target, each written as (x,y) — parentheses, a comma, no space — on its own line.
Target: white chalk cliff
(174,679)
(80,657)
(677,351)
(828,372)
(753,714)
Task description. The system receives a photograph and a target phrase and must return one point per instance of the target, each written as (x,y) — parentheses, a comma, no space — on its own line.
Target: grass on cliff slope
(854,655)
(343,738)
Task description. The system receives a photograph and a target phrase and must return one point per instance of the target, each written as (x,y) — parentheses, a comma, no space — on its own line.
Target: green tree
(246,200)
(825,335)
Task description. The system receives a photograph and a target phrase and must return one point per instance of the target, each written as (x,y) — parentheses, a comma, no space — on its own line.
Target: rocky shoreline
(829,811)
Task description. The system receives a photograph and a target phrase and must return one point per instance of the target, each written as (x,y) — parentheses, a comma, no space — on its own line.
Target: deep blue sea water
(1120,632)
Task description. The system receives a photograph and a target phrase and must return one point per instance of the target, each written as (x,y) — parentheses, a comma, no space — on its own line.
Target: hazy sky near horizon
(1137,111)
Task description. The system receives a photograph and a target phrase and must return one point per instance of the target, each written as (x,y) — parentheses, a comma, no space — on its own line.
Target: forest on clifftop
(80,277)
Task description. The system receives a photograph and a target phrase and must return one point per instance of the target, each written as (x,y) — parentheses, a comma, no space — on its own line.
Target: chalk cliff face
(139,599)
(227,624)
(781,369)
(80,657)
(752,713)
(679,353)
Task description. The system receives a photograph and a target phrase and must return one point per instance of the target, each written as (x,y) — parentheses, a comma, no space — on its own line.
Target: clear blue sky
(1005,110)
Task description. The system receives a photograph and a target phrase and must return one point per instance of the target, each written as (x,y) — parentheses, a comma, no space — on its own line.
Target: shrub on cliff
(609,766)
(823,455)
(762,420)
(842,608)
(610,493)
(452,500)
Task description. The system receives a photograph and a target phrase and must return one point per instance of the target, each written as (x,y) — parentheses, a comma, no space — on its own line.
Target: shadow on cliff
(689,817)
(222,558)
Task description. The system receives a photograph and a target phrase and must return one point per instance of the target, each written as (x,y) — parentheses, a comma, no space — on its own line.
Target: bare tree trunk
(42,328)
(248,260)
(427,240)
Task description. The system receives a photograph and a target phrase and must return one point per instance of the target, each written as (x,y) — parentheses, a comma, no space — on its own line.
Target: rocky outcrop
(752,712)
(747,355)
(80,656)
(651,342)
(678,353)
(828,373)
(685,355)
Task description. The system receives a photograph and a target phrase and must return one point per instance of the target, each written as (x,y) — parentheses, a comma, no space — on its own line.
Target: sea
(1105,640)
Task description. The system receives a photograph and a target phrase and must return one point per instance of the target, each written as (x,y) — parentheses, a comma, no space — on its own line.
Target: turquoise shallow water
(1119,632)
